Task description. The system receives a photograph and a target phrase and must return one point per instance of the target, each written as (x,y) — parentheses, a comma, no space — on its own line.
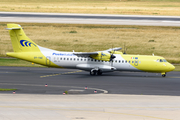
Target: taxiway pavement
(33,80)
(88,107)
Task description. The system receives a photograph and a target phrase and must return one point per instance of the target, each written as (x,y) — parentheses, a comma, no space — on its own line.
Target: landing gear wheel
(99,72)
(163,75)
(93,72)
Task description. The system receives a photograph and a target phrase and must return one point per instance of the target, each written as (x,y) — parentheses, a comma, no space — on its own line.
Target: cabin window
(78,59)
(98,60)
(70,58)
(157,60)
(88,59)
(122,61)
(161,60)
(67,58)
(81,59)
(119,61)
(132,61)
(64,58)
(74,59)
(95,60)
(126,61)
(129,61)
(91,59)
(164,60)
(57,58)
(116,61)
(61,58)
(84,59)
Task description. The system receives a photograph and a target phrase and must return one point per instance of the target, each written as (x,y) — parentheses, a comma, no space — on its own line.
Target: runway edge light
(95,91)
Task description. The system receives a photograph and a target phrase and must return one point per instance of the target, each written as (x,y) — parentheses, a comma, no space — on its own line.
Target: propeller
(101,55)
(112,56)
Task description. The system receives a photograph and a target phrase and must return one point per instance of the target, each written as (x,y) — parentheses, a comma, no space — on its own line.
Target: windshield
(164,60)
(161,60)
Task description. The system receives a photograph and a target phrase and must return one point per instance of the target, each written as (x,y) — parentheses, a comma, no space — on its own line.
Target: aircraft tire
(163,75)
(99,72)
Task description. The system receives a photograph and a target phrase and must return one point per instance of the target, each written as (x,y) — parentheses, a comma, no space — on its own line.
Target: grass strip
(133,7)
(17,62)
(177,68)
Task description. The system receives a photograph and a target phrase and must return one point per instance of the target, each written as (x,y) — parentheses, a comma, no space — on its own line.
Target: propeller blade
(112,57)
(101,55)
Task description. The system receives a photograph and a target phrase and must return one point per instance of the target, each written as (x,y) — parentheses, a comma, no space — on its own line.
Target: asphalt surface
(33,80)
(83,16)
(90,19)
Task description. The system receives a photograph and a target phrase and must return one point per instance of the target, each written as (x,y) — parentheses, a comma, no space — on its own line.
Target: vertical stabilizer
(20,42)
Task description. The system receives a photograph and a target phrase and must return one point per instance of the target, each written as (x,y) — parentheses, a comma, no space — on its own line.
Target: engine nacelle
(102,56)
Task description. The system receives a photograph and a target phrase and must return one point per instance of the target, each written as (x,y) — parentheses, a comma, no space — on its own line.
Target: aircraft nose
(172,67)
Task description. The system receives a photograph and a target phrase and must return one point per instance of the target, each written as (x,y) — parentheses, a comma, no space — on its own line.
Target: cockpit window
(164,60)
(161,60)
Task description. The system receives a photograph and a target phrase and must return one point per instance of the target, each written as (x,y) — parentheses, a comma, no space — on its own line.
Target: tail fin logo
(26,43)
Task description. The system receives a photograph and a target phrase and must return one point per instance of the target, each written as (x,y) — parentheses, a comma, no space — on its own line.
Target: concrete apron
(89,107)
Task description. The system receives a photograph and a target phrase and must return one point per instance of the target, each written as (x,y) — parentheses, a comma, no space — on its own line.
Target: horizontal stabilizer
(13,28)
(113,49)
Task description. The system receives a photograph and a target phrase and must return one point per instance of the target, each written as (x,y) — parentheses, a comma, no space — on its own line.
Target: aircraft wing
(85,54)
(94,54)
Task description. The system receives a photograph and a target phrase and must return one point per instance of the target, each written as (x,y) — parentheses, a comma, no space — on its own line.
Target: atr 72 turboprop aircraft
(94,62)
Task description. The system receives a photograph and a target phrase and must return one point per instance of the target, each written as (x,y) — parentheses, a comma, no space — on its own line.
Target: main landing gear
(95,72)
(163,74)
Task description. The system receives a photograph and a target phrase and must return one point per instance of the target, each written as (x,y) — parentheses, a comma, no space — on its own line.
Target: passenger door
(48,60)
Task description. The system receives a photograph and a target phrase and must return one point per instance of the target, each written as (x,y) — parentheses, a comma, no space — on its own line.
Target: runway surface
(32,80)
(90,19)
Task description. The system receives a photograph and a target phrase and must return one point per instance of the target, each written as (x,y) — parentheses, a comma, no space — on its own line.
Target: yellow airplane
(94,62)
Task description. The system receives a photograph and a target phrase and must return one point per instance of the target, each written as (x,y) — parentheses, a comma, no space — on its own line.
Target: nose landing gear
(163,74)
